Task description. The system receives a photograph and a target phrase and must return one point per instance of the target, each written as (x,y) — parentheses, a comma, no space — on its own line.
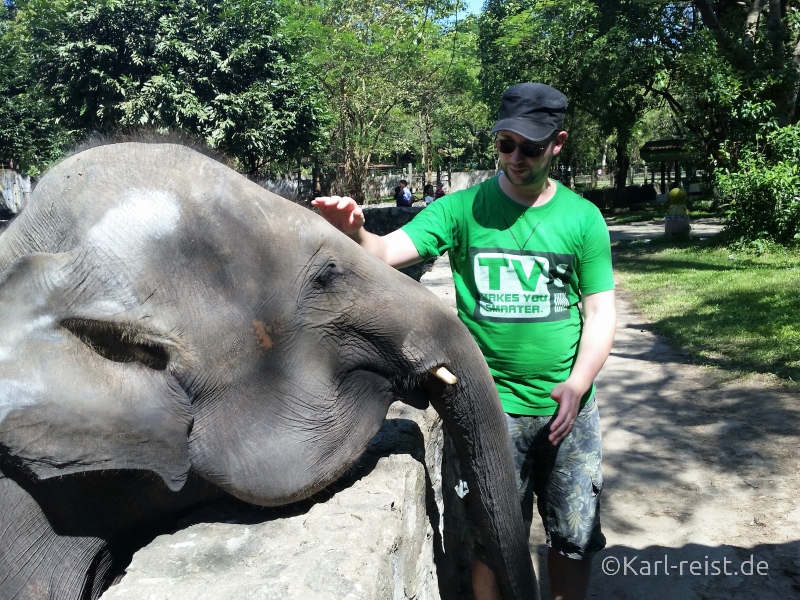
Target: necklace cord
(515,237)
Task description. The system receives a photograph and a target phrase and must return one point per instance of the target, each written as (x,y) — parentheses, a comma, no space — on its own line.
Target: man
(406,192)
(525,251)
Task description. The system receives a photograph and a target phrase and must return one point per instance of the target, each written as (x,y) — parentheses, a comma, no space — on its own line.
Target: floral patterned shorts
(565,480)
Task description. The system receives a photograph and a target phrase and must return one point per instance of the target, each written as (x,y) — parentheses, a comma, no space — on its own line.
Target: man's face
(522,170)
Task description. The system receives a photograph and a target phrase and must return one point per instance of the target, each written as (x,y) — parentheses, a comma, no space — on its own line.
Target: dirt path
(650,229)
(695,467)
(701,474)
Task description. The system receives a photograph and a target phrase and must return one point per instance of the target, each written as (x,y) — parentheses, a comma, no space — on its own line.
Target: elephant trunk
(473,416)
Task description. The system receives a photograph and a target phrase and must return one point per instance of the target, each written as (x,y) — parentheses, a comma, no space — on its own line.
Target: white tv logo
(514,286)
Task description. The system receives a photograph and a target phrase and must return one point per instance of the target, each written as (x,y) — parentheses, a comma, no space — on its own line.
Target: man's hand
(341,212)
(600,319)
(395,249)
(569,403)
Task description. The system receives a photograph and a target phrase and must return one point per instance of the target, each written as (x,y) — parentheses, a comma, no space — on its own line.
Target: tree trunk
(429,145)
(623,162)
(795,115)
(316,185)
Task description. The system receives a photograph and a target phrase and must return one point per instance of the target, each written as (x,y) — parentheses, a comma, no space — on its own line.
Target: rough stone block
(373,536)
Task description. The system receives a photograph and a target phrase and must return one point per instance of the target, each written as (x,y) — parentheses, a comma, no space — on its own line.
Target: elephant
(170,331)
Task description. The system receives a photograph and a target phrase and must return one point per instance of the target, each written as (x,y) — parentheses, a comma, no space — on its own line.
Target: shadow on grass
(755,352)
(750,330)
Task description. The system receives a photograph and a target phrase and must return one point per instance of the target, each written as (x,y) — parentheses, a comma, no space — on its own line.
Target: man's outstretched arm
(395,249)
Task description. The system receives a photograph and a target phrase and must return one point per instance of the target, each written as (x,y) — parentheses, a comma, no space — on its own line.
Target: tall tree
(760,37)
(29,137)
(369,56)
(607,57)
(218,69)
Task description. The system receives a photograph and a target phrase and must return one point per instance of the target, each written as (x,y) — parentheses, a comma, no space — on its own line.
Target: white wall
(381,185)
(283,186)
(461,181)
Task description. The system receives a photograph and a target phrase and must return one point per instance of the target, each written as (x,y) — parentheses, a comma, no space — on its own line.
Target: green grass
(735,310)
(648,213)
(656,210)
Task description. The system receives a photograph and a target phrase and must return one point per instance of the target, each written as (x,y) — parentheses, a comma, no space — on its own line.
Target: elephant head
(161,314)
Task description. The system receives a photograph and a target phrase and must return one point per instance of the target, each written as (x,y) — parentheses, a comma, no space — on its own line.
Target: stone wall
(383,220)
(15,189)
(391,529)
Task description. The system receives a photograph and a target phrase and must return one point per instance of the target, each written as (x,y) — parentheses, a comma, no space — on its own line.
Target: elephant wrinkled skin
(170,331)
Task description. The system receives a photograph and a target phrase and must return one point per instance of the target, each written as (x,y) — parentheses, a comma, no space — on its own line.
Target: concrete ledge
(377,535)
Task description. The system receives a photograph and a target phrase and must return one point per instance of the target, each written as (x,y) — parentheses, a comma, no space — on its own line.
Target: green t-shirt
(519,274)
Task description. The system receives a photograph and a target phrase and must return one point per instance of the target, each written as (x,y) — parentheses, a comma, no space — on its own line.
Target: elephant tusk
(442,373)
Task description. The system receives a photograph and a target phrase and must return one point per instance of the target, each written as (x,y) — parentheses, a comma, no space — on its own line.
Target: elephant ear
(81,389)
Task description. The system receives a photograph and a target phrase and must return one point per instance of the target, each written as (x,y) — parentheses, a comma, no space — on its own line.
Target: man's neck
(536,194)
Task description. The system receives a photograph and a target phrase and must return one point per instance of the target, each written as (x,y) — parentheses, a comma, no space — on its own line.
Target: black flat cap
(533,110)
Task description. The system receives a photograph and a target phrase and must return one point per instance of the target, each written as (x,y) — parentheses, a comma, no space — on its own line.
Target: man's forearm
(595,346)
(597,338)
(372,243)
(395,249)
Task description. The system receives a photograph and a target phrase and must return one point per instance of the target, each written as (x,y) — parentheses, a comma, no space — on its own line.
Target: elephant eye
(327,274)
(118,343)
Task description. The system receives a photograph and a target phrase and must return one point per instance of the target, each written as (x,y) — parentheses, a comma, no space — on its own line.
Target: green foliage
(354,83)
(737,72)
(219,70)
(607,57)
(716,101)
(28,136)
(449,95)
(761,189)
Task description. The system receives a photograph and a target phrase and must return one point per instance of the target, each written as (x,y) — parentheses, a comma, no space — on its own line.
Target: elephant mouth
(77,504)
(414,386)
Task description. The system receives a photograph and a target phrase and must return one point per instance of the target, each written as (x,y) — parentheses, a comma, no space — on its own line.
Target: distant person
(439,191)
(400,197)
(407,198)
(428,194)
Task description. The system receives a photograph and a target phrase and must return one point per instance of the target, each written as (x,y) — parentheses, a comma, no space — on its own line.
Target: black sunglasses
(527,149)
